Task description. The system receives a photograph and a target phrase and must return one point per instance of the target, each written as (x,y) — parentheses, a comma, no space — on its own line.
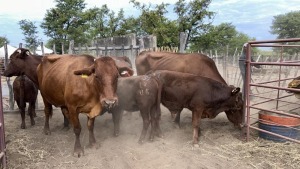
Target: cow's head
(124,65)
(235,112)
(16,66)
(105,74)
(295,83)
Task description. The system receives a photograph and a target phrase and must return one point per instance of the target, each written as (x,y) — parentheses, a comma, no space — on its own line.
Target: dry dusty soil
(221,145)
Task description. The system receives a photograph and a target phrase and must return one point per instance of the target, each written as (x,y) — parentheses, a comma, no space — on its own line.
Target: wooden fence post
(54,49)
(10,89)
(71,47)
(62,48)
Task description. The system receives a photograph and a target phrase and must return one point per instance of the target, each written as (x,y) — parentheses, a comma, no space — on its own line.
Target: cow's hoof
(65,128)
(23,126)
(196,145)
(47,132)
(32,123)
(93,146)
(78,153)
(116,134)
(141,142)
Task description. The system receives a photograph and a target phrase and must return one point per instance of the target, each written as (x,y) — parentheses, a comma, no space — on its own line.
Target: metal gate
(273,99)
(2,134)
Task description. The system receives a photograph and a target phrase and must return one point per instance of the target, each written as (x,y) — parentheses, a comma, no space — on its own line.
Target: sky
(252,17)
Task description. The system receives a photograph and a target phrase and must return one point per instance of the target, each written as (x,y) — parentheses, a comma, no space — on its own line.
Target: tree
(219,38)
(30,32)
(3,40)
(153,21)
(287,26)
(192,17)
(66,22)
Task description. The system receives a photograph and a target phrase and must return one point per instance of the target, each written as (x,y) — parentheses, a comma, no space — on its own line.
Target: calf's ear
(235,91)
(23,53)
(126,69)
(86,71)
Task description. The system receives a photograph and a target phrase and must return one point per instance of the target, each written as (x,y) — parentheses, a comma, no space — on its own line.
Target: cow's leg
(90,125)
(22,113)
(48,114)
(31,111)
(65,113)
(117,117)
(155,123)
(146,122)
(78,150)
(177,117)
(196,117)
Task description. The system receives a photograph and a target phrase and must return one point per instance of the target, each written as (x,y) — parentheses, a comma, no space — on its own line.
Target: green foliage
(153,22)
(193,17)
(30,32)
(65,22)
(3,40)
(287,26)
(223,38)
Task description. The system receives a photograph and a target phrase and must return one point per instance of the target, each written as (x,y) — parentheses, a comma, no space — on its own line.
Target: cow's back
(193,63)
(56,76)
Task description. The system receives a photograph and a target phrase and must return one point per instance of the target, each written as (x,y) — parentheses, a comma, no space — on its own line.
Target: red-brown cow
(25,91)
(93,88)
(139,93)
(205,97)
(193,63)
(124,65)
(23,62)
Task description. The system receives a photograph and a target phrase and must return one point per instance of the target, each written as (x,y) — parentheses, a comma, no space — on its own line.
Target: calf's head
(16,66)
(105,76)
(235,111)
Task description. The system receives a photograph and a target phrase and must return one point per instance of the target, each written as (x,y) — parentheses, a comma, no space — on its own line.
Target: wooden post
(182,39)
(42,48)
(97,50)
(62,48)
(10,89)
(54,49)
(71,47)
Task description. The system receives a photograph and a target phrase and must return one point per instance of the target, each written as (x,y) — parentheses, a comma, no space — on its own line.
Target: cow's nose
(109,103)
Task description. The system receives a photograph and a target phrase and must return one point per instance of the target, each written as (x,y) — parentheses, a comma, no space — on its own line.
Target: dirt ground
(221,145)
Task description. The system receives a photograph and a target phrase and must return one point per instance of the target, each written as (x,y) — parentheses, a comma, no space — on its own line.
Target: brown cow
(193,63)
(205,97)
(25,91)
(123,63)
(23,62)
(94,87)
(139,93)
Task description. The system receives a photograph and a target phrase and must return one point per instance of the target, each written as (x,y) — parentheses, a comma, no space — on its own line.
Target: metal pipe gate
(278,86)
(2,133)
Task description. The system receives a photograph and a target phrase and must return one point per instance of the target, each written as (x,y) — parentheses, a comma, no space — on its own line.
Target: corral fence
(267,97)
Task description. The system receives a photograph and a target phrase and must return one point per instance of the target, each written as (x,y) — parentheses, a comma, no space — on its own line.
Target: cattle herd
(85,84)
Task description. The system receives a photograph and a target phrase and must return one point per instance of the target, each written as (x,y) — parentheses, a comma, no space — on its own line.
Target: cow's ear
(23,53)
(125,70)
(86,71)
(235,91)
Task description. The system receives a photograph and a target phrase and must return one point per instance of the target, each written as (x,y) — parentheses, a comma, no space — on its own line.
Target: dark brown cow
(139,93)
(23,62)
(193,63)
(25,91)
(93,88)
(124,65)
(205,97)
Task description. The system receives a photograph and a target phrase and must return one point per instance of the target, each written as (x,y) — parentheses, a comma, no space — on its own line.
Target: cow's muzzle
(109,103)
